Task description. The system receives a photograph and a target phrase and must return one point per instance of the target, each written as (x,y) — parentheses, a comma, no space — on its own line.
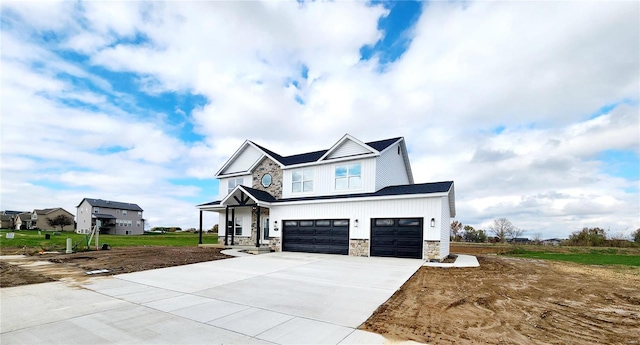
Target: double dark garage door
(390,237)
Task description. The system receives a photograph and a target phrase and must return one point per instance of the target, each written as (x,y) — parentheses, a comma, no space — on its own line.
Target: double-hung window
(302,181)
(238,227)
(348,176)
(233,183)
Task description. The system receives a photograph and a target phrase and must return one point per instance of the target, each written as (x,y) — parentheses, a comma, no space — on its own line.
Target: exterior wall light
(275,225)
(356,223)
(433,222)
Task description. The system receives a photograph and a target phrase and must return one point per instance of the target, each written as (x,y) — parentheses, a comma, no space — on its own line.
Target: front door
(265,231)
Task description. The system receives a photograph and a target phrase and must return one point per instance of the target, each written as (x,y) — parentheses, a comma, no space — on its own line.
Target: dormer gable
(348,146)
(243,160)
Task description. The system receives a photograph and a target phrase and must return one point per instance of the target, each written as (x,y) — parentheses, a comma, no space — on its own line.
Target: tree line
(502,230)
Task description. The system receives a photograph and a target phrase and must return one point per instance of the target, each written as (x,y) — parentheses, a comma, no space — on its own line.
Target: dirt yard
(50,267)
(514,301)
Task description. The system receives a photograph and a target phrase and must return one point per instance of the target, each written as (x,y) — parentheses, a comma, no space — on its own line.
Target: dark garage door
(328,236)
(397,237)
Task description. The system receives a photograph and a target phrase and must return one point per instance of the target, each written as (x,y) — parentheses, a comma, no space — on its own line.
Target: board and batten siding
(445,227)
(390,168)
(348,148)
(245,213)
(324,179)
(245,160)
(363,211)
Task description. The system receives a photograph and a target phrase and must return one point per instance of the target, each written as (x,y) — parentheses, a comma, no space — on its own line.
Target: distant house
(519,240)
(552,242)
(112,217)
(23,221)
(39,217)
(8,219)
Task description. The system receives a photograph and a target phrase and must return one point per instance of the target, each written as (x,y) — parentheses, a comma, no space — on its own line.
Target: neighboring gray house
(9,219)
(354,198)
(115,218)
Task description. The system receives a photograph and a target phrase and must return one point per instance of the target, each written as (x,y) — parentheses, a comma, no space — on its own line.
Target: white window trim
(347,164)
(304,179)
(238,221)
(235,181)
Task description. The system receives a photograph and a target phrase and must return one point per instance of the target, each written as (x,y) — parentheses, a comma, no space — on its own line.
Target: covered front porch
(244,219)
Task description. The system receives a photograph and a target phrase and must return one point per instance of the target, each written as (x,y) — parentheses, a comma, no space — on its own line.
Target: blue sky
(143,102)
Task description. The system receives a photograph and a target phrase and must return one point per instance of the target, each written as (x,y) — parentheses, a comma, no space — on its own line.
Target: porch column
(258,226)
(233,225)
(226,225)
(200,240)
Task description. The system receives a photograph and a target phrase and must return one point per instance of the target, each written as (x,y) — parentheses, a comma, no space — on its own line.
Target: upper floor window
(233,183)
(348,176)
(302,181)
(124,212)
(139,214)
(96,210)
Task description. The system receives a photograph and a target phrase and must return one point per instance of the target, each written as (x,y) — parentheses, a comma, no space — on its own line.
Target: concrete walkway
(278,298)
(461,261)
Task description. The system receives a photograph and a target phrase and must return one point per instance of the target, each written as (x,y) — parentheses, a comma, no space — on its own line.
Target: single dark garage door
(397,237)
(328,236)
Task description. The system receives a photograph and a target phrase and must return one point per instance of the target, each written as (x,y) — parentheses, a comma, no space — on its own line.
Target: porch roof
(102,216)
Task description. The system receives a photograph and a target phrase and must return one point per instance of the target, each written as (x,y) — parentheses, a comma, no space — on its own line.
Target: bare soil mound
(514,301)
(50,267)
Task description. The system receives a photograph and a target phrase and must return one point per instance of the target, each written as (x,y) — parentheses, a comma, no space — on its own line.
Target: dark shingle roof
(111,204)
(259,194)
(103,215)
(407,189)
(315,155)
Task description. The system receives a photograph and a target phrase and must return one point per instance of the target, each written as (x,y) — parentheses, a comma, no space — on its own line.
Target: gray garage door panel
(328,236)
(397,237)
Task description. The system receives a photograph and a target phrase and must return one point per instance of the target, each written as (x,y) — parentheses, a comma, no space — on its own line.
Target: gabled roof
(258,196)
(408,189)
(308,157)
(8,212)
(358,144)
(111,204)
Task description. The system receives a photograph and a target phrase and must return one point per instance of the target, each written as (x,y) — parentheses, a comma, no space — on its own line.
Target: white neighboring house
(354,198)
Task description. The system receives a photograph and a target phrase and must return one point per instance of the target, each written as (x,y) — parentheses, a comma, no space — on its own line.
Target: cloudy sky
(530,107)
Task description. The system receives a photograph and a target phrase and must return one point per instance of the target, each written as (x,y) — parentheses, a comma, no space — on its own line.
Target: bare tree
(501,228)
(537,238)
(456,226)
(514,233)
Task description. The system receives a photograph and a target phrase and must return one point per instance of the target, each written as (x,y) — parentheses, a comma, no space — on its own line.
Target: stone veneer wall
(264,213)
(244,241)
(359,247)
(274,244)
(268,166)
(431,250)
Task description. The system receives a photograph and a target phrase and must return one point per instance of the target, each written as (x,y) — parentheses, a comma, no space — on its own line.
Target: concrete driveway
(281,298)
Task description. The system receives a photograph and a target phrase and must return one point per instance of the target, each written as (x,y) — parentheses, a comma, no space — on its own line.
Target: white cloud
(541,69)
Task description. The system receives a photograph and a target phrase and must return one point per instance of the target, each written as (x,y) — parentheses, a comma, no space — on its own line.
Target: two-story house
(39,217)
(111,217)
(354,198)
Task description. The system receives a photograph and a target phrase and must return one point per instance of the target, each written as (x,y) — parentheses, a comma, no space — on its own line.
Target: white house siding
(348,148)
(83,218)
(224,184)
(390,168)
(364,211)
(445,221)
(245,160)
(245,213)
(324,179)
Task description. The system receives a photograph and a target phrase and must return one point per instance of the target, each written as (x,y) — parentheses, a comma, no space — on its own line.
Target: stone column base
(359,247)
(274,244)
(431,250)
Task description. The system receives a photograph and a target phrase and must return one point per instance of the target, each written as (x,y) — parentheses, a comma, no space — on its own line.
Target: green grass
(31,239)
(594,257)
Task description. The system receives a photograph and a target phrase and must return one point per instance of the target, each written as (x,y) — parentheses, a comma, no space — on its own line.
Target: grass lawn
(37,241)
(607,256)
